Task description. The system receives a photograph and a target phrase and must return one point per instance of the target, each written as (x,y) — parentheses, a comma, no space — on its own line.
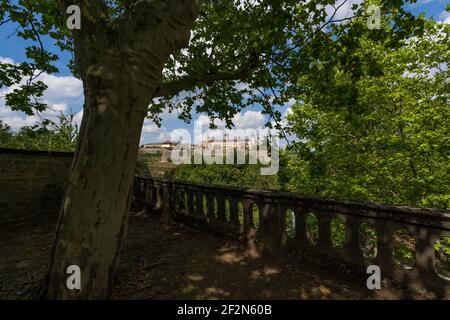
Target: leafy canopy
(242,52)
(374,120)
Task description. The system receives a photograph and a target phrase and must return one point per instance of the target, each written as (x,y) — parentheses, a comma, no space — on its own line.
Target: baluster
(143,195)
(147,197)
(248,214)
(199,203)
(186,201)
(141,189)
(324,241)
(167,199)
(210,206)
(352,248)
(137,194)
(181,203)
(234,215)
(249,231)
(425,253)
(150,194)
(385,240)
(300,226)
(155,195)
(270,229)
(191,208)
(175,203)
(221,208)
(159,196)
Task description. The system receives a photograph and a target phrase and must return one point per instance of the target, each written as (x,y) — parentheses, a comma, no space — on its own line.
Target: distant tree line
(48,135)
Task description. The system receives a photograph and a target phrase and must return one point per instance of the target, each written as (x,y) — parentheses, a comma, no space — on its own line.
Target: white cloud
(6,60)
(287,113)
(152,133)
(422,2)
(244,124)
(60,107)
(61,87)
(182,135)
(445,17)
(17,120)
(58,87)
(344,11)
(246,120)
(249,120)
(62,94)
(151,128)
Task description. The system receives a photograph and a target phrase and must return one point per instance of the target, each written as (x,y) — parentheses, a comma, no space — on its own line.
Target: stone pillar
(300,226)
(270,230)
(147,196)
(248,215)
(234,215)
(167,200)
(324,241)
(190,204)
(159,199)
(221,208)
(352,248)
(199,203)
(425,255)
(181,200)
(385,233)
(249,233)
(210,207)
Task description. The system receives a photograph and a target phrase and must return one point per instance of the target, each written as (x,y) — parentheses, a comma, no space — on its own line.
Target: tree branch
(176,86)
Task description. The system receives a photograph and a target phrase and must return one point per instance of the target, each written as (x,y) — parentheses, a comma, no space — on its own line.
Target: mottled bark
(120,63)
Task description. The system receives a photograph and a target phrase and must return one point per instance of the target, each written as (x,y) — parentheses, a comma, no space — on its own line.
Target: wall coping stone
(36,152)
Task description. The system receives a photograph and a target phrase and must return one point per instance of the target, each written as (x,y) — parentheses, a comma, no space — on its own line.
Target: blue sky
(65,93)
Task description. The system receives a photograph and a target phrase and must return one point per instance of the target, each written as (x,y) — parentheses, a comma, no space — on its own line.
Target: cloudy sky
(65,93)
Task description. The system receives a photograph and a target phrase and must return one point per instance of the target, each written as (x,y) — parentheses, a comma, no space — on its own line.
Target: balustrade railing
(402,241)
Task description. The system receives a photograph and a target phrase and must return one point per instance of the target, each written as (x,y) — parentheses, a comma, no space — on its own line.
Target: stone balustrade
(270,222)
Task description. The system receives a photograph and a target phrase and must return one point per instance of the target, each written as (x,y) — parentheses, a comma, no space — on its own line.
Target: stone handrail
(206,206)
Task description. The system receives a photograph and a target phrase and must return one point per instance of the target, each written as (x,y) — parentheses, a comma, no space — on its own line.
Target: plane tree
(138,57)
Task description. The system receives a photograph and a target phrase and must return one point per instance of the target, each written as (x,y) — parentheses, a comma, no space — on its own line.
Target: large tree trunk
(94,213)
(121,65)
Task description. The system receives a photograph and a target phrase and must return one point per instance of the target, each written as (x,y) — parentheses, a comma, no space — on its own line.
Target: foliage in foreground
(374,121)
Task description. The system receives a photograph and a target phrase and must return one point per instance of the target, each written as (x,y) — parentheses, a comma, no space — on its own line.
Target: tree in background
(244,175)
(5,134)
(47,135)
(132,53)
(374,119)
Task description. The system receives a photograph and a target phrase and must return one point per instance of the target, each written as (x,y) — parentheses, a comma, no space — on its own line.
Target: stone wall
(31,183)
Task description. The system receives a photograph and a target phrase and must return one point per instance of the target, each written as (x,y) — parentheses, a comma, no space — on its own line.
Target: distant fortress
(164,148)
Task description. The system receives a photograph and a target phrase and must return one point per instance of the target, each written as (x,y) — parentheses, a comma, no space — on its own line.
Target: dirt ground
(178,262)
